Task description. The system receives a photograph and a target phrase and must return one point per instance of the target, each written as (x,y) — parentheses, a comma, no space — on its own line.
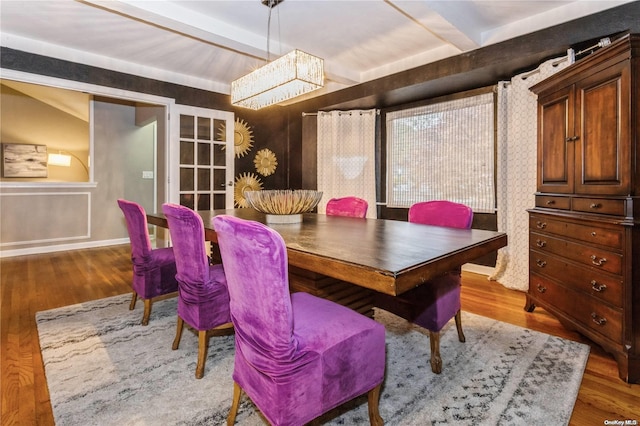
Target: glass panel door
(205,166)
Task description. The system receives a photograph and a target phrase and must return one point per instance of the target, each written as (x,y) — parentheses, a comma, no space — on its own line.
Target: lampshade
(59,160)
(291,75)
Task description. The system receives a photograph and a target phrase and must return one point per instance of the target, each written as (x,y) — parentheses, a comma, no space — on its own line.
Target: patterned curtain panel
(516,183)
(346,156)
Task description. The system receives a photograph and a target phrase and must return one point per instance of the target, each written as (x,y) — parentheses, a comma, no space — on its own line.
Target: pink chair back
(187,236)
(255,262)
(347,206)
(441,213)
(154,270)
(136,219)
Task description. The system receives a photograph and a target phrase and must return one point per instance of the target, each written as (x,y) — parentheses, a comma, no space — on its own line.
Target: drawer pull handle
(541,225)
(541,263)
(541,288)
(597,286)
(596,261)
(541,243)
(550,202)
(593,233)
(595,205)
(597,319)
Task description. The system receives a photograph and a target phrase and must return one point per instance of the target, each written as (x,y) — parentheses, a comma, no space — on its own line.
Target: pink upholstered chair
(297,356)
(203,299)
(154,270)
(347,206)
(432,304)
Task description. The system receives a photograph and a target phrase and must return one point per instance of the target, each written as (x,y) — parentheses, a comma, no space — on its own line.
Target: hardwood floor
(34,283)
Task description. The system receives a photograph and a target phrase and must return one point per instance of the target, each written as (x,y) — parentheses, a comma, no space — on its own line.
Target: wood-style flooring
(39,282)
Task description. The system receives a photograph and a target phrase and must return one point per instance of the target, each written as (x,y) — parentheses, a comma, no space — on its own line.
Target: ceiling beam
(172,17)
(437,21)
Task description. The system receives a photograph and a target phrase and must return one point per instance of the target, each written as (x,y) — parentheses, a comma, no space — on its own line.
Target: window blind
(443,151)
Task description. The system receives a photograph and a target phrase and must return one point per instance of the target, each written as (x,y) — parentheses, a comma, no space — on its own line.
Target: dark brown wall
(269,131)
(280,128)
(471,70)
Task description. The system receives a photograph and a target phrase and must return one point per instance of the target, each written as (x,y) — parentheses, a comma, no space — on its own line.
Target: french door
(202,160)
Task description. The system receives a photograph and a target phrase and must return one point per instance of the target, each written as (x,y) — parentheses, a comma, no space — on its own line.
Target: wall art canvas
(24,161)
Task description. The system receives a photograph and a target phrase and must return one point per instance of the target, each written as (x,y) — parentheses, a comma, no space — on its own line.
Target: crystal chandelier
(291,75)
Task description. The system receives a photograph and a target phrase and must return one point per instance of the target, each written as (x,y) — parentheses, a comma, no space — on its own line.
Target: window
(443,151)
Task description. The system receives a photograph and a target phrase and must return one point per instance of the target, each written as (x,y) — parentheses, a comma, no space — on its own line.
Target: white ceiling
(207,44)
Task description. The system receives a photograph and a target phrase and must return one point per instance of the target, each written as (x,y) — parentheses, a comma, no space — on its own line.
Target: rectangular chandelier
(291,75)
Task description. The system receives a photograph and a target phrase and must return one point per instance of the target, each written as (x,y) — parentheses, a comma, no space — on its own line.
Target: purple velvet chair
(154,270)
(432,304)
(203,299)
(347,206)
(297,356)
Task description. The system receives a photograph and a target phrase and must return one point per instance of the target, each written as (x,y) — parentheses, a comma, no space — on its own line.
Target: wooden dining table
(330,254)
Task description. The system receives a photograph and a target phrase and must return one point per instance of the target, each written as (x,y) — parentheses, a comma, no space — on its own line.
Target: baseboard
(478,269)
(62,247)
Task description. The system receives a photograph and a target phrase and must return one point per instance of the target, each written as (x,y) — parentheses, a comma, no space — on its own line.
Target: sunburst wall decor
(265,162)
(242,137)
(245,182)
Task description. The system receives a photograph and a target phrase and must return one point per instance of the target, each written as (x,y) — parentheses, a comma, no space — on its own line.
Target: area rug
(104,368)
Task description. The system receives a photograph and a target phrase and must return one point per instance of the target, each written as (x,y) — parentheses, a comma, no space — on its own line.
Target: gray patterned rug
(104,368)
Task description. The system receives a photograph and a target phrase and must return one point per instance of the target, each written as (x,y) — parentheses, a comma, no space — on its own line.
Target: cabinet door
(602,131)
(555,149)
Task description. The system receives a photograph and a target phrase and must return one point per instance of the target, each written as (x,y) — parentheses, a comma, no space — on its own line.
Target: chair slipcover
(203,299)
(432,304)
(297,356)
(347,206)
(154,270)
(441,213)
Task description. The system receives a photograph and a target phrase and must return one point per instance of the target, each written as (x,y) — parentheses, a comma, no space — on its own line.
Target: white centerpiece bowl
(283,205)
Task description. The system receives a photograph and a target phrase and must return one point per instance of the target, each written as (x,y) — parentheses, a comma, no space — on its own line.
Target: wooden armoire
(584,232)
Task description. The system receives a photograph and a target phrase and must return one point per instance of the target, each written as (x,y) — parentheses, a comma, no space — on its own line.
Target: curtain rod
(537,70)
(304,114)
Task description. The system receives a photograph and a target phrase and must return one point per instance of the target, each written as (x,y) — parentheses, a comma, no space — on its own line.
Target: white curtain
(346,156)
(517,159)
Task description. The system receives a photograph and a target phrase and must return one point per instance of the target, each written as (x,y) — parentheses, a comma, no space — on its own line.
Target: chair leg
(459,327)
(147,312)
(203,345)
(373,397)
(134,297)
(436,361)
(237,393)
(176,341)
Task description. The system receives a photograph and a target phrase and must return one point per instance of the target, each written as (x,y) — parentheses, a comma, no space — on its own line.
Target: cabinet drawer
(587,311)
(597,258)
(552,202)
(598,205)
(599,285)
(547,224)
(592,234)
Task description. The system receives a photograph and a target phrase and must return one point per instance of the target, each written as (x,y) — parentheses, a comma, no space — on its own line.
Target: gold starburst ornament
(245,182)
(242,137)
(265,162)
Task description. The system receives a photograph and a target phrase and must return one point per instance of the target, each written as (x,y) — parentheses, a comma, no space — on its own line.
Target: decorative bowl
(283,206)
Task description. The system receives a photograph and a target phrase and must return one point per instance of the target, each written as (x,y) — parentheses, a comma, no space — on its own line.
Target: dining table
(346,259)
